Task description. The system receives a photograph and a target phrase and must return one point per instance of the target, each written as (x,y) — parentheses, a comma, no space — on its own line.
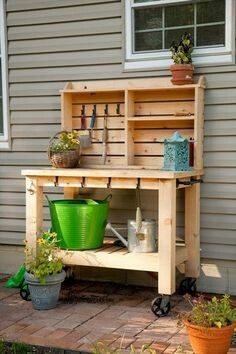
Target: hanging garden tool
(86,134)
(105,136)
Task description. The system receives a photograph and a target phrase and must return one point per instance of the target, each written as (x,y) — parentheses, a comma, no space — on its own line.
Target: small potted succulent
(182,69)
(64,149)
(210,324)
(44,271)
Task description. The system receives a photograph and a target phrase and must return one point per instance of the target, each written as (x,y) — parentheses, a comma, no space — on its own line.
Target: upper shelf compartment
(141,114)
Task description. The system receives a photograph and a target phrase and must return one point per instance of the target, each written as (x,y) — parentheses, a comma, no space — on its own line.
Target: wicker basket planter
(62,158)
(65,159)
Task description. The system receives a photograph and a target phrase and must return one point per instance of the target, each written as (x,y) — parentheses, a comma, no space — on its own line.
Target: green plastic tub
(79,223)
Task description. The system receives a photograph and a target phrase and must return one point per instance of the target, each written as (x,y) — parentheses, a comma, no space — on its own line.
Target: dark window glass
(211,11)
(182,15)
(211,35)
(151,24)
(148,41)
(145,19)
(175,35)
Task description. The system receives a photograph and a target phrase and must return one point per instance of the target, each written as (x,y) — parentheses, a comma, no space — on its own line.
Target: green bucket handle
(49,201)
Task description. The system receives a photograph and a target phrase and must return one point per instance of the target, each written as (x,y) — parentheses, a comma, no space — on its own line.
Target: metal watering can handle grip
(138,219)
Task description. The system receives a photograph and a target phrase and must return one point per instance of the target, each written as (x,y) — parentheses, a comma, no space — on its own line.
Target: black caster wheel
(24,293)
(188,286)
(161,306)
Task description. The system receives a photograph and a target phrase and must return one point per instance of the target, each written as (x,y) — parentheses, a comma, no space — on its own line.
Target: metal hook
(30,189)
(83,110)
(94,109)
(118,109)
(106,110)
(83,182)
(56,181)
(109,182)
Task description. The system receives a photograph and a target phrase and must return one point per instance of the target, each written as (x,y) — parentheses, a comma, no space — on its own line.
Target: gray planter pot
(45,296)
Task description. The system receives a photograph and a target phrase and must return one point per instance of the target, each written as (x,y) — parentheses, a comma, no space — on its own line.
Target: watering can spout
(123,240)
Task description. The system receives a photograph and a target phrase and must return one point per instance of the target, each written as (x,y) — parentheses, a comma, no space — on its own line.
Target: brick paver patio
(89,312)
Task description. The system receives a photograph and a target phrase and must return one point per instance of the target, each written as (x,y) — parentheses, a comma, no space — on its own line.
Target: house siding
(50,43)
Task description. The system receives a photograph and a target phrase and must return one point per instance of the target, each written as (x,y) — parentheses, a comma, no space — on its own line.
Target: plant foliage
(211,313)
(65,141)
(182,53)
(46,260)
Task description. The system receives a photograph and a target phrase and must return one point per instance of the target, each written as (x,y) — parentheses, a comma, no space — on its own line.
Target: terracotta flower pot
(210,340)
(182,74)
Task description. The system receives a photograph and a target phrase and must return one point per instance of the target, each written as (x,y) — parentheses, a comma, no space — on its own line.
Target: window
(4,129)
(151,26)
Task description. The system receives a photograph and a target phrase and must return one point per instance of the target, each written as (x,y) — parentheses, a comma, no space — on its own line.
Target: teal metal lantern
(176,153)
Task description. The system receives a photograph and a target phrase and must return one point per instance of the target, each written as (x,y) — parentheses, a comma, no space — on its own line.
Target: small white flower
(50,258)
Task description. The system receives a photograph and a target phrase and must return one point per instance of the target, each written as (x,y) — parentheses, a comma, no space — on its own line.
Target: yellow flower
(40,241)
(70,136)
(75,141)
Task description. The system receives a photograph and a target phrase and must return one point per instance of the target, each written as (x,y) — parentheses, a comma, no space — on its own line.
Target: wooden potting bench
(139,114)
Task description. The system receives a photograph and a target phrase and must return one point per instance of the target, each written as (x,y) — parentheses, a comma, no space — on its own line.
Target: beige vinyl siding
(52,42)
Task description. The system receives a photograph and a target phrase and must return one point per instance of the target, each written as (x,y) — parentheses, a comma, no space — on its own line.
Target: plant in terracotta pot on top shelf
(44,271)
(210,324)
(182,69)
(64,149)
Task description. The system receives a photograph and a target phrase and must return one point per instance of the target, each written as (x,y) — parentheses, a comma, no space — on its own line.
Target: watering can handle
(108,198)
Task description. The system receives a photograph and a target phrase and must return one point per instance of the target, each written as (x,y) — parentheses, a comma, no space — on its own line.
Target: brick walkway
(89,312)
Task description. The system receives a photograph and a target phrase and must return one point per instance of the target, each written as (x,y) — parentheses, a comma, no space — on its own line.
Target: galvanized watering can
(142,234)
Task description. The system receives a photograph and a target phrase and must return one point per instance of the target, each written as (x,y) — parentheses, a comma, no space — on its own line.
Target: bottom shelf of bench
(110,256)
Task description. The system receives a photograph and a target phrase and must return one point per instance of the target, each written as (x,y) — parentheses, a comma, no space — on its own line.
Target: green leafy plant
(16,348)
(182,52)
(65,141)
(46,260)
(211,313)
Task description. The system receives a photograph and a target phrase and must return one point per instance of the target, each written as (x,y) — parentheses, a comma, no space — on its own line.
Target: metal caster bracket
(24,292)
(161,305)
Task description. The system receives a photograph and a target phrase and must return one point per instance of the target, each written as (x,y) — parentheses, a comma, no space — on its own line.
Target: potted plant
(64,149)
(210,324)
(182,69)
(44,272)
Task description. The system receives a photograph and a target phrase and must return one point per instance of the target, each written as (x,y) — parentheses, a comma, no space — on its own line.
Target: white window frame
(5,138)
(162,59)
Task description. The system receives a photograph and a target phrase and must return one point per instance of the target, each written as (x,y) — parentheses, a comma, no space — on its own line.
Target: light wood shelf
(110,256)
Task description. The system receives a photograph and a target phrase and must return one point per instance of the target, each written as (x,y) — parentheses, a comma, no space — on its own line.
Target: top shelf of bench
(132,84)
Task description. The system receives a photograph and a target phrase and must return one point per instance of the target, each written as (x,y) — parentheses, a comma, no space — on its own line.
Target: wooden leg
(192,230)
(167,236)
(34,211)
(70,192)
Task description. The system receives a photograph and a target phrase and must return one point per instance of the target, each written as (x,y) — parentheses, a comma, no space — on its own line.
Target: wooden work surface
(111,172)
